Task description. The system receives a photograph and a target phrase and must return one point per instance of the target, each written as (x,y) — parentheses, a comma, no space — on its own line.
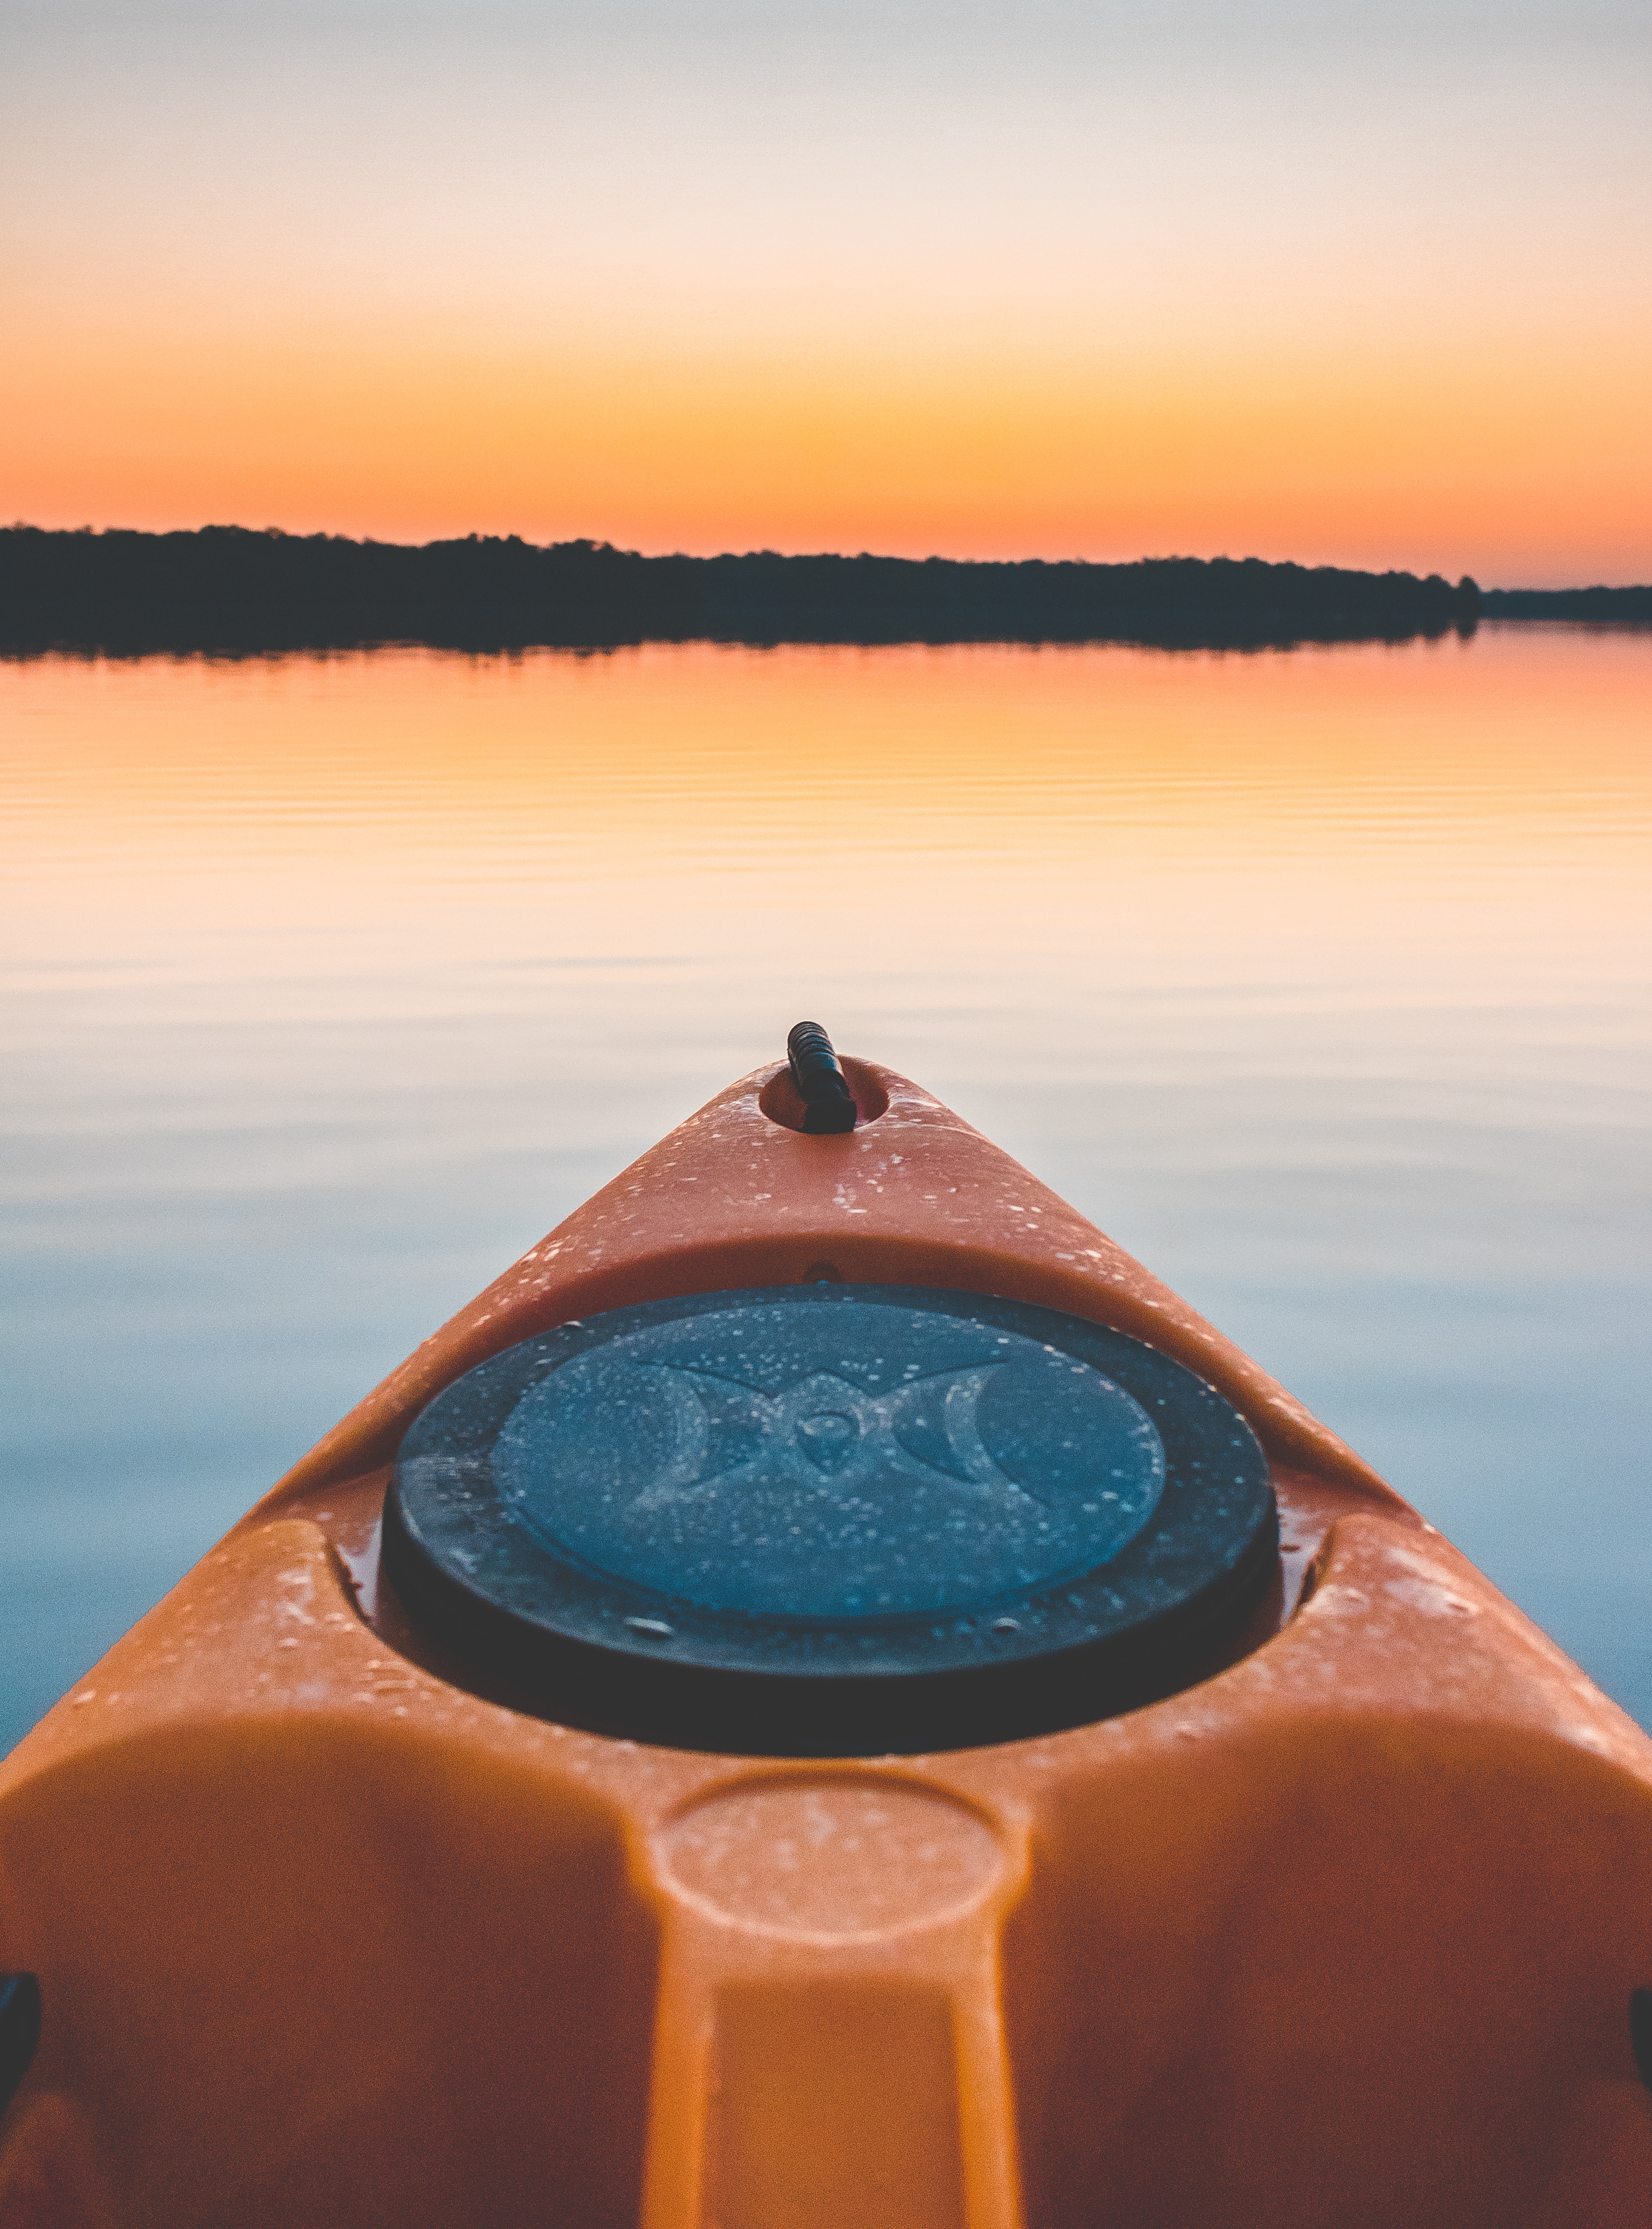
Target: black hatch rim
(961,1661)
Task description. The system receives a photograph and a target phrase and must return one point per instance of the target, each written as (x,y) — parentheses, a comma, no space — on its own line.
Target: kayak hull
(332,1927)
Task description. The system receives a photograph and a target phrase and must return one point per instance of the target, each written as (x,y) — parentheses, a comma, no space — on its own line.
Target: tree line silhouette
(229,588)
(1613,606)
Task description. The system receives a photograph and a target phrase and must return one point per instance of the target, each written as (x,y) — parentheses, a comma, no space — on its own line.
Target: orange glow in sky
(1377,295)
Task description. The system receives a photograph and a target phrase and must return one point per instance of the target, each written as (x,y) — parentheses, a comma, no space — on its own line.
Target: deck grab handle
(821,1084)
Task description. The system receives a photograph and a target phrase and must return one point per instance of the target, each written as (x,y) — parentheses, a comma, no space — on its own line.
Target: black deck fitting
(19,2031)
(821,1084)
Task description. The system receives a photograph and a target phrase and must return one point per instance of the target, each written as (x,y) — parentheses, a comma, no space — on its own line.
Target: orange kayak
(828,1696)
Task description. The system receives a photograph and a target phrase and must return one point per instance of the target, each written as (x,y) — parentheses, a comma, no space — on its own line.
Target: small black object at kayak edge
(19,2031)
(1640,2032)
(828,1101)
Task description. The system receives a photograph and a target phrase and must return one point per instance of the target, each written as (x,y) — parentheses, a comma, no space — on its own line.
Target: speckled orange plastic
(329,1934)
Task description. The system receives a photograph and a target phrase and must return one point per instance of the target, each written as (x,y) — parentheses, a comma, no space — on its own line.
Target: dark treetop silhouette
(1611,606)
(228,588)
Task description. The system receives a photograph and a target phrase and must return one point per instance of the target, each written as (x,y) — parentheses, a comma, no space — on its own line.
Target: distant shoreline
(229,589)
(1630,607)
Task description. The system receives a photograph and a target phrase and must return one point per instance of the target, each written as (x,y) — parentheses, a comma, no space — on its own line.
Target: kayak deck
(333,1926)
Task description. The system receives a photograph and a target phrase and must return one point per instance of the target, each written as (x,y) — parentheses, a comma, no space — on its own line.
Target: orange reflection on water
(875,746)
(850,827)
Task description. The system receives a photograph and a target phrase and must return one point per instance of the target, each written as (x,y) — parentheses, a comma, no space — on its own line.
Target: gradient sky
(1355,283)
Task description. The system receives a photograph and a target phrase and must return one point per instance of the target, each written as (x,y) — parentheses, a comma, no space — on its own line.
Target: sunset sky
(1356,282)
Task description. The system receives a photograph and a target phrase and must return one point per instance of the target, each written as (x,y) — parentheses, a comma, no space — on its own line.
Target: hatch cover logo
(823,1427)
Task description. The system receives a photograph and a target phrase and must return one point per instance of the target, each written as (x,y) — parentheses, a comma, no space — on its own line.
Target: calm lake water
(1319,979)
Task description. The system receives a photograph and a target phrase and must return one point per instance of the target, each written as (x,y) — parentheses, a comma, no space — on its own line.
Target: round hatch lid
(831,1521)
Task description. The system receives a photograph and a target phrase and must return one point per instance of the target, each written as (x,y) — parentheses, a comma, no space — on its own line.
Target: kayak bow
(828,1693)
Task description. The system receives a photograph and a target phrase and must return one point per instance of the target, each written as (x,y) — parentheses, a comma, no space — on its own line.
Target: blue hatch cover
(831,1519)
